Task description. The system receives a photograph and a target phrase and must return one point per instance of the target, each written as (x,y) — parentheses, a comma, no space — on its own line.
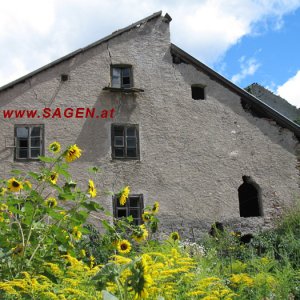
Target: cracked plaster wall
(193,153)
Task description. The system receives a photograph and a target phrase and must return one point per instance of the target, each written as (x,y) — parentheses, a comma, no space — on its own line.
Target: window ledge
(123,90)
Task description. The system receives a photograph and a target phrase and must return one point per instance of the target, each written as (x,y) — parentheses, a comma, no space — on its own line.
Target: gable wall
(193,153)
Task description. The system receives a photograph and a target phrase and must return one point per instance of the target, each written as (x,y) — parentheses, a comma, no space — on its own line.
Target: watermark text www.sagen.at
(59,113)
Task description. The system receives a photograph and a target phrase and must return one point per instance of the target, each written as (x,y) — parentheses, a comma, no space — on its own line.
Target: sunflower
(53,177)
(140,233)
(28,184)
(72,153)
(140,279)
(3,191)
(146,216)
(51,202)
(54,147)
(124,195)
(3,207)
(175,236)
(14,185)
(76,233)
(124,246)
(92,190)
(155,207)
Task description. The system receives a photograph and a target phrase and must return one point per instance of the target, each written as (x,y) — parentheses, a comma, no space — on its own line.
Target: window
(125,141)
(134,207)
(28,141)
(121,76)
(250,198)
(198,92)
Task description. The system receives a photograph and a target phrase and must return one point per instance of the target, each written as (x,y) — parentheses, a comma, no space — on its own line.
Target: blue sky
(245,40)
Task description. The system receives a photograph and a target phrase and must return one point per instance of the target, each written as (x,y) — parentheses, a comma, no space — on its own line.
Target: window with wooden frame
(121,76)
(29,142)
(134,207)
(125,141)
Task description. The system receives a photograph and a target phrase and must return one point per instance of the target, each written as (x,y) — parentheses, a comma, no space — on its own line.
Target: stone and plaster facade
(193,153)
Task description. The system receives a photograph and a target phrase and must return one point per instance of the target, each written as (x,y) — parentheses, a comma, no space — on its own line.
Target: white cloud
(290,90)
(248,67)
(37,32)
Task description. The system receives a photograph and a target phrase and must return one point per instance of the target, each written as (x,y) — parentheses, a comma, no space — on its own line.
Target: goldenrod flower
(2,191)
(155,207)
(82,253)
(14,185)
(92,190)
(53,177)
(51,202)
(124,246)
(140,234)
(241,279)
(76,233)
(28,184)
(72,153)
(175,236)
(124,195)
(146,216)
(54,147)
(92,261)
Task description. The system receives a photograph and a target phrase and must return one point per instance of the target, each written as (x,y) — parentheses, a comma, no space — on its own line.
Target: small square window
(121,76)
(29,141)
(134,207)
(125,142)
(198,92)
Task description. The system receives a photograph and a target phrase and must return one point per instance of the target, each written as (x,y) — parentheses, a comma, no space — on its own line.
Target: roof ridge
(80,50)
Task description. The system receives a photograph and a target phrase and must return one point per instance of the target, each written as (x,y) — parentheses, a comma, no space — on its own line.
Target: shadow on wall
(95,133)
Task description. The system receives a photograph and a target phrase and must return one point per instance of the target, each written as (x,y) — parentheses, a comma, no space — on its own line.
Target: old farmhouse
(156,119)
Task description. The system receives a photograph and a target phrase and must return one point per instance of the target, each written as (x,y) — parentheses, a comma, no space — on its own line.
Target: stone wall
(193,152)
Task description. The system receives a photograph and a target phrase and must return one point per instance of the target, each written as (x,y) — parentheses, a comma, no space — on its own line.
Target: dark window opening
(121,76)
(198,92)
(29,141)
(250,198)
(125,142)
(64,77)
(134,207)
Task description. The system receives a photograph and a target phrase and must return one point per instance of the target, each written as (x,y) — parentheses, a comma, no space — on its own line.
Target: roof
(185,57)
(256,104)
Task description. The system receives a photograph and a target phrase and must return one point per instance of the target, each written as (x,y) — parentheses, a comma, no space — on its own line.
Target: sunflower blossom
(3,191)
(140,280)
(124,246)
(54,147)
(140,234)
(146,216)
(155,207)
(53,177)
(51,202)
(92,190)
(124,195)
(175,236)
(14,185)
(72,153)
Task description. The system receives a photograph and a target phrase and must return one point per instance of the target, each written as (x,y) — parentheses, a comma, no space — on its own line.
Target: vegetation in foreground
(47,250)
